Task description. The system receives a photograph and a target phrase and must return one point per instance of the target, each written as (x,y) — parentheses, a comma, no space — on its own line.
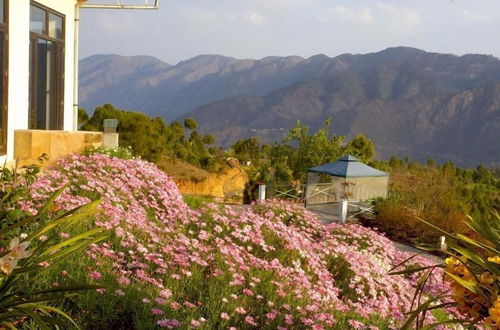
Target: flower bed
(270,265)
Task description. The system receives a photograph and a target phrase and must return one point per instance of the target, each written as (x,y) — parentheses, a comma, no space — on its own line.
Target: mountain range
(409,102)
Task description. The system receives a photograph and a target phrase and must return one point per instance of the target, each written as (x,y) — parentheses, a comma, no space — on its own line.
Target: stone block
(110,140)
(29,145)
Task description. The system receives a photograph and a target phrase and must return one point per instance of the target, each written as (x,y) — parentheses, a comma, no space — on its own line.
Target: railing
(293,192)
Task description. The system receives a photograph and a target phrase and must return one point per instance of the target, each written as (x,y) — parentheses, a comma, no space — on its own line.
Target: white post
(75,66)
(442,243)
(262,193)
(342,211)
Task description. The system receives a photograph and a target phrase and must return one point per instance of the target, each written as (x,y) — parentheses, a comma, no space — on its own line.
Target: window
(3,76)
(46,68)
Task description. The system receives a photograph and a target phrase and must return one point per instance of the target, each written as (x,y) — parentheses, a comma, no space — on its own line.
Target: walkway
(328,213)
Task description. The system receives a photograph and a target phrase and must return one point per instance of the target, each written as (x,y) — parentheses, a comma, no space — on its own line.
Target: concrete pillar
(262,193)
(342,211)
(442,243)
(110,140)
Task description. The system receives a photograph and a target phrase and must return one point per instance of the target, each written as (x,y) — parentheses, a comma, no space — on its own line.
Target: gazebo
(346,180)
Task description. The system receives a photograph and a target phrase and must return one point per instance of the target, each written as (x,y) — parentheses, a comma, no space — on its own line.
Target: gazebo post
(342,211)
(262,192)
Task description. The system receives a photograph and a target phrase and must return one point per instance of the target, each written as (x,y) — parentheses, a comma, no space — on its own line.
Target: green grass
(195,202)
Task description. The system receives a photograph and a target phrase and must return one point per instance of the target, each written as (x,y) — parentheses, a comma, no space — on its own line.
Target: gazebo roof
(348,167)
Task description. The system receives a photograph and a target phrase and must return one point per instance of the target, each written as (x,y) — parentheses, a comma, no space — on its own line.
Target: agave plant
(32,243)
(472,268)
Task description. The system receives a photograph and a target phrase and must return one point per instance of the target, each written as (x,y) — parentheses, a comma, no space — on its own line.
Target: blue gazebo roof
(348,167)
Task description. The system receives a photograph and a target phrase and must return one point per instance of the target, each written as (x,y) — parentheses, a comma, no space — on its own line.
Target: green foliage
(190,124)
(119,152)
(442,195)
(152,138)
(300,150)
(248,150)
(362,148)
(144,134)
(83,117)
(473,271)
(21,297)
(196,202)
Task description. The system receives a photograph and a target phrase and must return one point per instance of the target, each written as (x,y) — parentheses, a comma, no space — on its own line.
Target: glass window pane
(55,26)
(43,109)
(2,109)
(2,11)
(37,20)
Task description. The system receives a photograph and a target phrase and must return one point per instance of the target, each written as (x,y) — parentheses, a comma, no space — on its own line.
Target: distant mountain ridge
(410,102)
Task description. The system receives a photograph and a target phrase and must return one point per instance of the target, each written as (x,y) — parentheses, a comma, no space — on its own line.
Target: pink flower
(250,320)
(64,235)
(64,273)
(195,323)
(119,293)
(160,301)
(44,264)
(225,316)
(42,238)
(95,275)
(166,293)
(123,281)
(356,324)
(240,310)
(157,311)
(248,292)
(166,323)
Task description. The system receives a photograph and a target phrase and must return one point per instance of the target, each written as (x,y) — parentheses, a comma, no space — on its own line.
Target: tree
(361,147)
(83,117)
(190,123)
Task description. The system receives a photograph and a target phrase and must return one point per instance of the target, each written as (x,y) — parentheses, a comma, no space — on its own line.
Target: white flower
(8,264)
(18,250)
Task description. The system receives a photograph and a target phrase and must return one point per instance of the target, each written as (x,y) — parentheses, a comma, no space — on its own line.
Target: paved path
(328,213)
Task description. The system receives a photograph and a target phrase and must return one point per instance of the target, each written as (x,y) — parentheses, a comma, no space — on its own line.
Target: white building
(37,52)
(38,62)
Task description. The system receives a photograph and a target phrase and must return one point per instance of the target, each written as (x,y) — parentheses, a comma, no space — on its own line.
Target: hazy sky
(181,29)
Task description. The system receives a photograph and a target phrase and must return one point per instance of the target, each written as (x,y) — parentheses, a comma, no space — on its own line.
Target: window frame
(57,85)
(4,27)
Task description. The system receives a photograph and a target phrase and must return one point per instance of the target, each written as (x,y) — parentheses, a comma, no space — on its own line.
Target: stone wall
(29,145)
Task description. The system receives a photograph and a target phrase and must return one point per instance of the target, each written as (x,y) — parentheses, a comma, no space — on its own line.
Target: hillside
(410,115)
(428,104)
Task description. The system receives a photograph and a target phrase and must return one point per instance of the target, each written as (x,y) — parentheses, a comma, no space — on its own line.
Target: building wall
(18,79)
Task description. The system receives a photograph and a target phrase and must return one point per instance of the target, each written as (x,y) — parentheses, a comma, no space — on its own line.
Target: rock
(229,185)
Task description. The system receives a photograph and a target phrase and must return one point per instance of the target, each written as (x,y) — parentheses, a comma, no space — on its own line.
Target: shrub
(473,271)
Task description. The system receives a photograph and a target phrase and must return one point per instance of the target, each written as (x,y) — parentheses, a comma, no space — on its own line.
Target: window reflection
(46,72)
(3,77)
(37,20)
(2,11)
(55,26)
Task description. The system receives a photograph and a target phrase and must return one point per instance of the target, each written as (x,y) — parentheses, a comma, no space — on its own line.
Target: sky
(182,29)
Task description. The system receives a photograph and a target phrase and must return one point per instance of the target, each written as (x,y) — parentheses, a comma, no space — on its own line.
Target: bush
(473,271)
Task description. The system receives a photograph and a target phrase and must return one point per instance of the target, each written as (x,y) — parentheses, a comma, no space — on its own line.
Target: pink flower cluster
(273,263)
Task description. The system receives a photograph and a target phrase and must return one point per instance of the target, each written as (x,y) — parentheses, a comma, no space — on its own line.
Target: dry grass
(180,169)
